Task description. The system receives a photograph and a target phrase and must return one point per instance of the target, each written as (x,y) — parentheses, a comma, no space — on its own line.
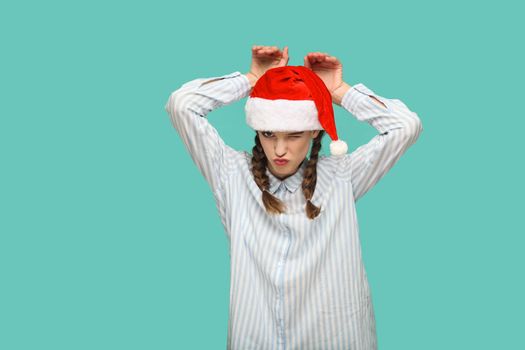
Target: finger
(319,57)
(307,62)
(312,58)
(285,55)
(316,57)
(264,52)
(272,53)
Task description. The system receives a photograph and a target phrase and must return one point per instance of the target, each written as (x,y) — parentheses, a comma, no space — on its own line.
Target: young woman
(297,275)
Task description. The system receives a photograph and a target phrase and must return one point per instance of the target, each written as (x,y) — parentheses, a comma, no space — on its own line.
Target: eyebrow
(291,133)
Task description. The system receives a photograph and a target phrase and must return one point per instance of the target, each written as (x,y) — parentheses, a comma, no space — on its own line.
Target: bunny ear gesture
(327,67)
(267,57)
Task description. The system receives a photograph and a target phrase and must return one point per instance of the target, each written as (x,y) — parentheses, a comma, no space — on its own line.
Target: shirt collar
(291,183)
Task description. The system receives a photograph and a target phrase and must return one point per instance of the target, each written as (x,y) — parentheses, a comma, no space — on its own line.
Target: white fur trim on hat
(338,148)
(281,114)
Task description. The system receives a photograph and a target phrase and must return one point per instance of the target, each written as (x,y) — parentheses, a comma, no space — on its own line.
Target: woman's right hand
(264,58)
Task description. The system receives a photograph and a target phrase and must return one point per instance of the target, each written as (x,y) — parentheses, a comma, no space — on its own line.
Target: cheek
(266,147)
(305,145)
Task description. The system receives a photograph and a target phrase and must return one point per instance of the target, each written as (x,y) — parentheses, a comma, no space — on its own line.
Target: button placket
(280,293)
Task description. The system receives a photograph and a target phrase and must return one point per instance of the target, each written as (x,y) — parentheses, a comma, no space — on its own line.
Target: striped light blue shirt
(296,283)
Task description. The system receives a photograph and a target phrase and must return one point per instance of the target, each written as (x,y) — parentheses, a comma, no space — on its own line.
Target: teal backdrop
(109,235)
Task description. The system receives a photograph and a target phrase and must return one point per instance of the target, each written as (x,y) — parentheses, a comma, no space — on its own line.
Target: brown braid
(273,204)
(310,177)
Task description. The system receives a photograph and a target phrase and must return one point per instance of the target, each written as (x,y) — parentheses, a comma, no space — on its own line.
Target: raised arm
(398,129)
(188,107)
(398,126)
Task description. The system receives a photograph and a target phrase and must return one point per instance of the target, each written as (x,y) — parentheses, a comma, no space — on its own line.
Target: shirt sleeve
(398,128)
(188,107)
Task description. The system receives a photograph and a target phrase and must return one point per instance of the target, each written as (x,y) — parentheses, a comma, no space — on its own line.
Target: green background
(110,238)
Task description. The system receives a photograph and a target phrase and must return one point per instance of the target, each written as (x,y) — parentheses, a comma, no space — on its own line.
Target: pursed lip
(281,161)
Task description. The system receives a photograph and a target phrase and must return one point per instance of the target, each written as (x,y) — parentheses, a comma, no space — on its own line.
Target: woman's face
(290,146)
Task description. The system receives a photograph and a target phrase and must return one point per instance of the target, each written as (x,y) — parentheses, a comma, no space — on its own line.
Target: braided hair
(273,204)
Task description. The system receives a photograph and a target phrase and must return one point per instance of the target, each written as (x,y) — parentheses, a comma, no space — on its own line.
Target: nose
(280,148)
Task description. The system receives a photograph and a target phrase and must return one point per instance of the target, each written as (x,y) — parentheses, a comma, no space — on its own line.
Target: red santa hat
(293,98)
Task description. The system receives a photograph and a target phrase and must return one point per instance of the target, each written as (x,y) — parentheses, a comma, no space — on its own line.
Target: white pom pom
(338,148)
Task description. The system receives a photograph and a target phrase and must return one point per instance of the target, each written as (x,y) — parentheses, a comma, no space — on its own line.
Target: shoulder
(329,163)
(333,166)
(232,160)
(245,156)
(244,163)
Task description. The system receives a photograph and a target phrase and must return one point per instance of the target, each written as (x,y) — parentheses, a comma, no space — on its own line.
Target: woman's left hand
(267,57)
(327,67)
